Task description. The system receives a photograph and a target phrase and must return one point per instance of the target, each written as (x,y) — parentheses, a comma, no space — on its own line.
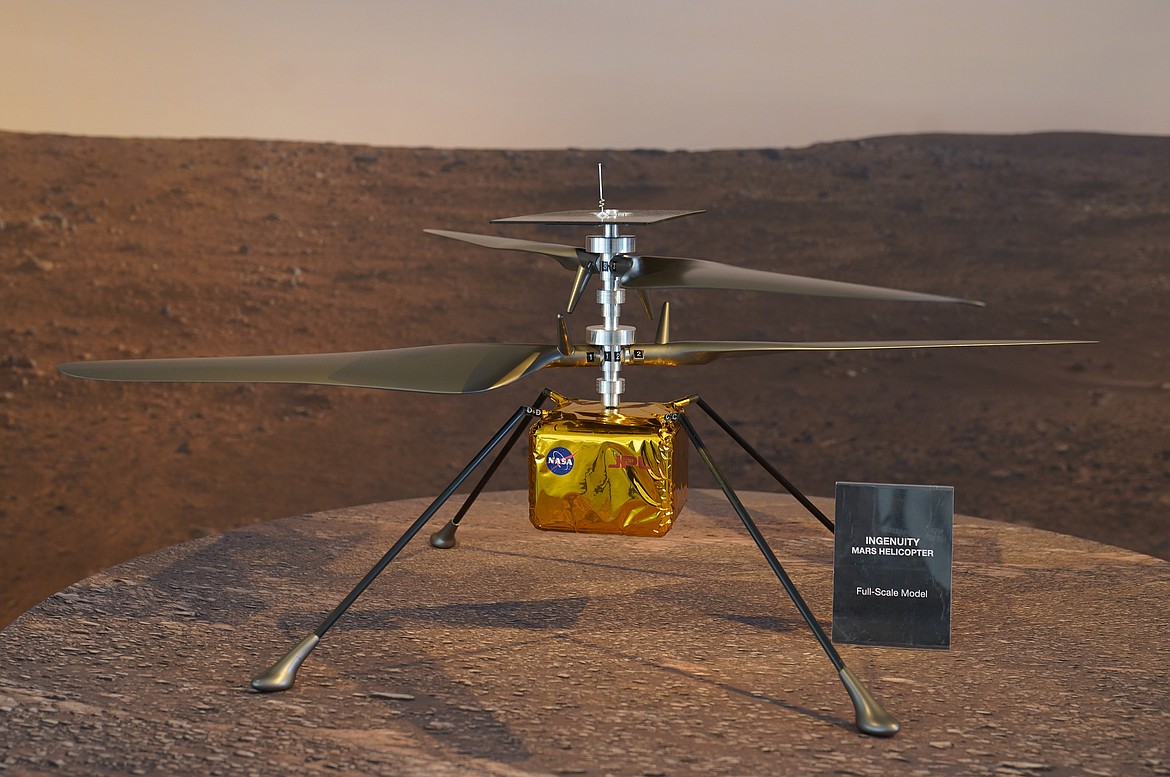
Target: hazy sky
(589,73)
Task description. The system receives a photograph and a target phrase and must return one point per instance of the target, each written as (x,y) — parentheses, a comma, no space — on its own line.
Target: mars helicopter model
(601,466)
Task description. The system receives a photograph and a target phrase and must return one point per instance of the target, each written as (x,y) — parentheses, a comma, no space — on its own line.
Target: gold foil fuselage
(621,471)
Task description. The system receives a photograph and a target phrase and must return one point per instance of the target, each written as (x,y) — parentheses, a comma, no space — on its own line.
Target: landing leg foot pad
(445,537)
(871,718)
(280,676)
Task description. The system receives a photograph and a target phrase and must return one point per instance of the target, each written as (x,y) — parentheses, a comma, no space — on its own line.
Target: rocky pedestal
(527,652)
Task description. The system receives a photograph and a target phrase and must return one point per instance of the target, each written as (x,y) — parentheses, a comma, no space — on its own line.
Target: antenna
(600,190)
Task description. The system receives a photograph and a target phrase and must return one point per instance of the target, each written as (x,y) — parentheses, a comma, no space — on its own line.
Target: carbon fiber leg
(281,675)
(870,717)
(445,537)
(775,473)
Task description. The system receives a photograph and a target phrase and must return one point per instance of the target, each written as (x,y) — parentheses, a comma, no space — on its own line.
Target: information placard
(892,565)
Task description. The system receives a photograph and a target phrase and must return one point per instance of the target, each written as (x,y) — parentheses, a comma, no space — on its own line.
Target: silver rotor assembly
(611,337)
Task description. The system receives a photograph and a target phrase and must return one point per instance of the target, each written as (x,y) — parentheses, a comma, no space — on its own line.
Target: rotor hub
(619,336)
(610,244)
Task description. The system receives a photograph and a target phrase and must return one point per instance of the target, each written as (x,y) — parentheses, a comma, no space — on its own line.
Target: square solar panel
(594,217)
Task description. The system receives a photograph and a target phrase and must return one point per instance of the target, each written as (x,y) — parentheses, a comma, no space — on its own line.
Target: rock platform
(524,652)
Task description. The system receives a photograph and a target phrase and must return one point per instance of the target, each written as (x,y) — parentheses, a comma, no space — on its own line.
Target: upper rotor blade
(666,272)
(570,258)
(699,352)
(436,369)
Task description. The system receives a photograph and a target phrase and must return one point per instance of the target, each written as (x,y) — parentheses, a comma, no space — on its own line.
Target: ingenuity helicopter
(602,466)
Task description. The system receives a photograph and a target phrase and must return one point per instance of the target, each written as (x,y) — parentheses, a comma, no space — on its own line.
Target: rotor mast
(612,337)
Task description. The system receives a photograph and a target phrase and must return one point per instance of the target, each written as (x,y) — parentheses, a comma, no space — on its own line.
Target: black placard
(892,565)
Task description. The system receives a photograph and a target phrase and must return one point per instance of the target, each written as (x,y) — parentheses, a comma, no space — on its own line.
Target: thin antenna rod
(600,189)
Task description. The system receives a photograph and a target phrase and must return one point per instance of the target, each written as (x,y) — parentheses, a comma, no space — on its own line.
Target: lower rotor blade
(666,272)
(579,283)
(570,258)
(698,352)
(436,369)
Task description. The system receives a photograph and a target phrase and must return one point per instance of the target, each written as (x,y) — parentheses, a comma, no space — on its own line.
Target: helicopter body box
(617,472)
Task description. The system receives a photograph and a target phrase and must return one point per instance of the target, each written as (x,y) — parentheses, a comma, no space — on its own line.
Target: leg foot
(280,676)
(445,537)
(871,718)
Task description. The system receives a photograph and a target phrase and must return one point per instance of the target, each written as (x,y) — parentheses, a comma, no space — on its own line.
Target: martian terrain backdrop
(122,248)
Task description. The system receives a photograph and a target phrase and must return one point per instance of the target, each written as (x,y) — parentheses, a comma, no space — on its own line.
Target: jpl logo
(623,461)
(559,461)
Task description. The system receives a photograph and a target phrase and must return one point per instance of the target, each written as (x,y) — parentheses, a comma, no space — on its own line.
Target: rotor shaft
(612,336)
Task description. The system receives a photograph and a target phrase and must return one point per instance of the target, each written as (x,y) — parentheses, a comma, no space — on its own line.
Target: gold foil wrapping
(621,472)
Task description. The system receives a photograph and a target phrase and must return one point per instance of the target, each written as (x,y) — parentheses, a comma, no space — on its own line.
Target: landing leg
(870,717)
(775,473)
(281,675)
(445,537)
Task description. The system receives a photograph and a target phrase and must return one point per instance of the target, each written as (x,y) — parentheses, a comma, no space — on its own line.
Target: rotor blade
(584,273)
(644,298)
(570,258)
(662,336)
(435,369)
(667,272)
(564,342)
(699,352)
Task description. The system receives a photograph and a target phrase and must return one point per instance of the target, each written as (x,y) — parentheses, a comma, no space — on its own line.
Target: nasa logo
(559,461)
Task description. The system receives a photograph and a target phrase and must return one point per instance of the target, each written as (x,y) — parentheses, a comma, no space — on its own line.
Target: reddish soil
(528,653)
(124,248)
